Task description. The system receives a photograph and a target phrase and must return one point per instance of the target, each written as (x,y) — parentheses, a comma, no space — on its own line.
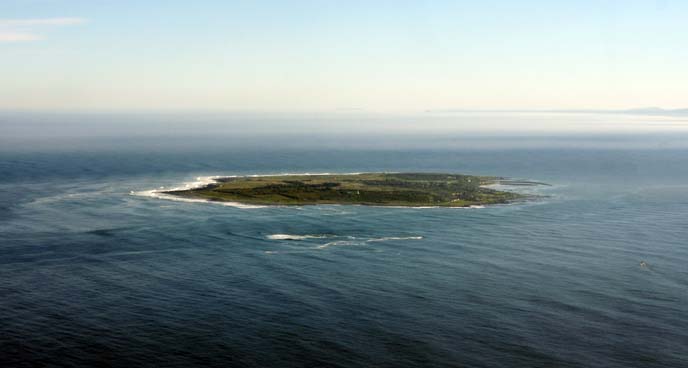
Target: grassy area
(380,189)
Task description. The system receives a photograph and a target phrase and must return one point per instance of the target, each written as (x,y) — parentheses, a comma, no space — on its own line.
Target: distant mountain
(654,111)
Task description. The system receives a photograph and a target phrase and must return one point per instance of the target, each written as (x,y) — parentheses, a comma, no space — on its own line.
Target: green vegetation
(380,189)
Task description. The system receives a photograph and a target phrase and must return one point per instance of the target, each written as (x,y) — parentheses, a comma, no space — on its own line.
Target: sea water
(591,273)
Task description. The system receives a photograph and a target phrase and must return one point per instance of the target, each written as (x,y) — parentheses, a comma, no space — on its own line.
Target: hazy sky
(325,55)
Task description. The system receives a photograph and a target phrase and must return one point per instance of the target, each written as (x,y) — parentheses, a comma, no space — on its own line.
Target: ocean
(592,273)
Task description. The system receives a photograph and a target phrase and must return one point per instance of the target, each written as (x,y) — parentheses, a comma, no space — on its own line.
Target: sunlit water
(591,274)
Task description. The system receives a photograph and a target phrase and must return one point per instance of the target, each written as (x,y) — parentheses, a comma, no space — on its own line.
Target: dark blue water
(92,275)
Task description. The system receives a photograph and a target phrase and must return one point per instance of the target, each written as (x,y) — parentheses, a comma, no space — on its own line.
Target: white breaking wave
(200,182)
(297,237)
(364,241)
(344,239)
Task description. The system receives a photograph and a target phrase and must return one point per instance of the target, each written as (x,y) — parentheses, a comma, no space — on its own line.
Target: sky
(329,55)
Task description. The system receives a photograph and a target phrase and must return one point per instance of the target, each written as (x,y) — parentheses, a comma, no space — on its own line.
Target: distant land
(379,189)
(652,111)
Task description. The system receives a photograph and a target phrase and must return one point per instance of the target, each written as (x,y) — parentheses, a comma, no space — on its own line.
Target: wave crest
(341,240)
(297,237)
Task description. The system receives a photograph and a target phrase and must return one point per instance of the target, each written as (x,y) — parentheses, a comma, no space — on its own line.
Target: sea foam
(340,240)
(200,182)
(297,237)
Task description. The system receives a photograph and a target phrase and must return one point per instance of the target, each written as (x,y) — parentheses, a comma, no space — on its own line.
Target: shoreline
(208,183)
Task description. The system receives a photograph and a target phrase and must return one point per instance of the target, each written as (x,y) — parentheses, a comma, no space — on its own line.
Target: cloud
(40,22)
(17,37)
(21,30)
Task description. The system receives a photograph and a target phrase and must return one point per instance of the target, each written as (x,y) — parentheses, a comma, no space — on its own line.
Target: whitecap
(200,182)
(297,237)
(363,241)
(170,197)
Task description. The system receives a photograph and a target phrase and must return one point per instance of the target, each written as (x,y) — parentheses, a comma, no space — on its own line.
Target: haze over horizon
(342,56)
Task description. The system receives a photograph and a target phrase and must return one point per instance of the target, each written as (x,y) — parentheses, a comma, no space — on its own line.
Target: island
(376,189)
